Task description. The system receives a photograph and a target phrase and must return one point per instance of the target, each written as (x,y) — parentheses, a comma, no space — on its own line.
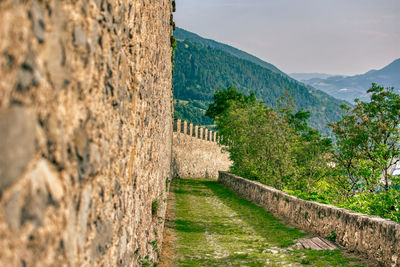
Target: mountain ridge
(303,76)
(350,87)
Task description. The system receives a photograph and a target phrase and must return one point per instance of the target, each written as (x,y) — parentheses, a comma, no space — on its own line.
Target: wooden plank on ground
(330,244)
(315,243)
(322,244)
(307,243)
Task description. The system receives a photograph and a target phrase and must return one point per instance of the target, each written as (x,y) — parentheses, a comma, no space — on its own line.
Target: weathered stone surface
(103,238)
(83,214)
(194,155)
(44,177)
(85,130)
(374,237)
(12,210)
(54,56)
(16,143)
(34,207)
(79,36)
(36,15)
(26,73)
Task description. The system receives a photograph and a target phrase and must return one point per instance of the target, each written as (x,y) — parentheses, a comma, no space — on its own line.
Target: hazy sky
(329,36)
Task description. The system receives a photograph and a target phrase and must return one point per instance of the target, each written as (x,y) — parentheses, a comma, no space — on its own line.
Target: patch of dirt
(168,253)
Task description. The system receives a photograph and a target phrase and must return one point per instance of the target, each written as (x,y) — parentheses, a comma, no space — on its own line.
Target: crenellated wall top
(184,127)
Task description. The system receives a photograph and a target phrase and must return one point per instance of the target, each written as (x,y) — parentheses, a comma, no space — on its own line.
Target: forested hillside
(199,70)
(184,35)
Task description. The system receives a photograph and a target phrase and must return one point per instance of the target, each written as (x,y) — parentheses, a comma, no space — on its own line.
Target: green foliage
(311,196)
(278,148)
(173,44)
(199,70)
(367,147)
(173,6)
(181,34)
(192,111)
(224,98)
(154,207)
(259,144)
(384,204)
(332,237)
(368,144)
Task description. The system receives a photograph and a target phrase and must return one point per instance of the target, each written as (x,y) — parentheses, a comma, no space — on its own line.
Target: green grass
(215,227)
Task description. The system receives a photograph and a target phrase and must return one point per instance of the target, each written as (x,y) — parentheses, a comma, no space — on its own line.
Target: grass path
(214,227)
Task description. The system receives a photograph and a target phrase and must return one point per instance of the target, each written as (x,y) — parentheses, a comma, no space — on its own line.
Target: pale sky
(328,36)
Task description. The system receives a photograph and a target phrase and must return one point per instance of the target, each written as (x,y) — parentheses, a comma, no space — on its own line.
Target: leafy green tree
(276,147)
(368,141)
(191,111)
(258,142)
(310,148)
(223,99)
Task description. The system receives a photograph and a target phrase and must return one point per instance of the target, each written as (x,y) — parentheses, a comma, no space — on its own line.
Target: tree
(224,98)
(310,149)
(276,147)
(258,142)
(368,141)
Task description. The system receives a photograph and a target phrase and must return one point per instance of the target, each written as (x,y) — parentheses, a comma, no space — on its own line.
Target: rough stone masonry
(85,131)
(196,152)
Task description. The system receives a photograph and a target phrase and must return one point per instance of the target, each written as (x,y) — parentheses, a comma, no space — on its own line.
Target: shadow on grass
(189,226)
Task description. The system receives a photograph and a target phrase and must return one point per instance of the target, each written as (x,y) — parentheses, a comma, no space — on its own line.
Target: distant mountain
(351,87)
(184,35)
(307,76)
(201,68)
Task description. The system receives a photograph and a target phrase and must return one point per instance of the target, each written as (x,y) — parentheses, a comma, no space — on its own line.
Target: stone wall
(374,237)
(85,131)
(196,152)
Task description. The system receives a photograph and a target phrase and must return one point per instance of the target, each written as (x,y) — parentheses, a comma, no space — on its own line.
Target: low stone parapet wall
(374,237)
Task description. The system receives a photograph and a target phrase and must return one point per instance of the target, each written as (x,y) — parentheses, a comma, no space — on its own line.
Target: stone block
(36,14)
(17,143)
(103,238)
(79,36)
